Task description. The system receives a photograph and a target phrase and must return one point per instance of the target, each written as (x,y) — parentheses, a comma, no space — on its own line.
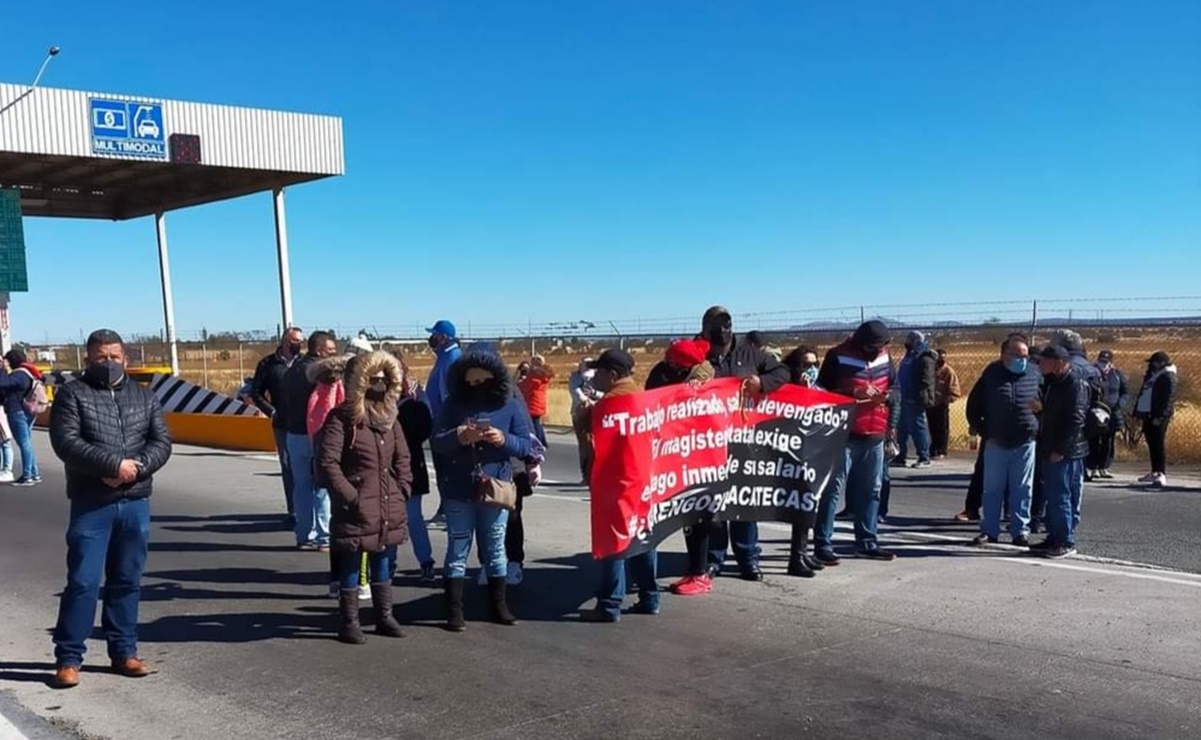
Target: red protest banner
(677,456)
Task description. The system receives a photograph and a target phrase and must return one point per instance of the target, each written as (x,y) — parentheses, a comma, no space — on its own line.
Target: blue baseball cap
(443,327)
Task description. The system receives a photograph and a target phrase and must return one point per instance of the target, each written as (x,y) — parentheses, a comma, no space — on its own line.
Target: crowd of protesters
(351,426)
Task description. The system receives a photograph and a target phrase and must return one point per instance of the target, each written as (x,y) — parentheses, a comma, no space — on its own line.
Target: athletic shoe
(922,464)
(37,479)
(692,586)
(26,482)
(1105,474)
(1148,477)
(1160,481)
(6,476)
(982,539)
(427,573)
(598,616)
(751,572)
(1090,476)
(1021,542)
(515,575)
(1059,552)
(646,607)
(303,546)
(813,563)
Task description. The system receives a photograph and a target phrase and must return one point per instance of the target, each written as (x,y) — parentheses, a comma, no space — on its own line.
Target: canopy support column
(164,268)
(281,250)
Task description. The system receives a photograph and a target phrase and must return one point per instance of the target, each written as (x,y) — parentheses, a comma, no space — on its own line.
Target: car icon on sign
(148,129)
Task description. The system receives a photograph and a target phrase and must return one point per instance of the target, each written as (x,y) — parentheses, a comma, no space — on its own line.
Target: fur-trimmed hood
(360,370)
(456,381)
(328,370)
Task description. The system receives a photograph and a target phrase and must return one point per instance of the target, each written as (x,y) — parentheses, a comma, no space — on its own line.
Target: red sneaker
(693,586)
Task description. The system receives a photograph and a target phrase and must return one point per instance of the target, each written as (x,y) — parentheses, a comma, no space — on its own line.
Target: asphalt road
(944,642)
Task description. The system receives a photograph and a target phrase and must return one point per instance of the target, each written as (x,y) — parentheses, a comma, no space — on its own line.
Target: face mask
(1017,365)
(294,349)
(810,373)
(719,336)
(107,373)
(433,342)
(487,391)
(1104,366)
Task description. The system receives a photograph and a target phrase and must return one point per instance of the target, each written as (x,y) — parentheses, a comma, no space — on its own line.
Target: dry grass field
(968,353)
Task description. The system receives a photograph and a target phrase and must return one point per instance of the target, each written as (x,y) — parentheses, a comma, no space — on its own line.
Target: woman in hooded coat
(364,458)
(480,429)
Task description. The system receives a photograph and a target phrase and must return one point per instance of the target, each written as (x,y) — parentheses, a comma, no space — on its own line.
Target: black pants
(1157,438)
(940,429)
(799,541)
(1100,452)
(696,539)
(975,489)
(515,533)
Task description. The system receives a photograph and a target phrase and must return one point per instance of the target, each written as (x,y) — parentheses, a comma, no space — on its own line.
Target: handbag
(492,492)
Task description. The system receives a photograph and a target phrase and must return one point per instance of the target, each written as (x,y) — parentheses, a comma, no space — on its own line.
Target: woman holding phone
(480,429)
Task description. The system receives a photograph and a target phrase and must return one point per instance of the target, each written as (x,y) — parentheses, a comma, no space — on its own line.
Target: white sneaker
(1148,478)
(483,579)
(515,575)
(364,594)
(6,476)
(1160,481)
(334,589)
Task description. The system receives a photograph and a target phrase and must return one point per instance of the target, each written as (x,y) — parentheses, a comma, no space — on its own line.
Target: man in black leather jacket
(1063,442)
(110,434)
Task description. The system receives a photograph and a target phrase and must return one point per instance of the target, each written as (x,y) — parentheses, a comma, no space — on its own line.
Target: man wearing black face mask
(267,391)
(763,373)
(110,434)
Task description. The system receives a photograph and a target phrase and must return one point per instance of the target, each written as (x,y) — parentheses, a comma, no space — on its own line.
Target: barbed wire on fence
(962,315)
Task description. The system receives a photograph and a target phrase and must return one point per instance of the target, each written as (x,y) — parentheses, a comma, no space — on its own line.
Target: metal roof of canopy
(48,150)
(97,155)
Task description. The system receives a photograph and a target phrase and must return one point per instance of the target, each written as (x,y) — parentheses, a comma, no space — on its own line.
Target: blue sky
(620,159)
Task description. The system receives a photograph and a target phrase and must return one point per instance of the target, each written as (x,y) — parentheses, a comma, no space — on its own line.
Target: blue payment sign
(128,129)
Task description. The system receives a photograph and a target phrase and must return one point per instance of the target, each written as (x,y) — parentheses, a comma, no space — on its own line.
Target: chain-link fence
(222,364)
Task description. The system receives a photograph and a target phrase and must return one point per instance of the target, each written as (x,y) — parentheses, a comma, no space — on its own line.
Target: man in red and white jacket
(860,367)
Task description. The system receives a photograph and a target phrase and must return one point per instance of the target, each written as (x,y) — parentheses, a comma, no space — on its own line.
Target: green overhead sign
(14,278)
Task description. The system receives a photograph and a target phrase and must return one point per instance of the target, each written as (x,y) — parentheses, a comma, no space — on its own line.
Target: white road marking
(9,731)
(1104,571)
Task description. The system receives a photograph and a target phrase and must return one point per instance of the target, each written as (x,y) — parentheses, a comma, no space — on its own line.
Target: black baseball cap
(1055,352)
(1105,356)
(616,360)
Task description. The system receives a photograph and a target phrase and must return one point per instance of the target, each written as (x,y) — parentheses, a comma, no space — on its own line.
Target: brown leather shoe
(66,677)
(132,668)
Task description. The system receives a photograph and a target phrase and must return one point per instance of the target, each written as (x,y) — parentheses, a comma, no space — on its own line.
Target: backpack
(35,400)
(1097,421)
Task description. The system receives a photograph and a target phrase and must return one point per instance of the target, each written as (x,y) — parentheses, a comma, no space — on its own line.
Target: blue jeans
(1063,483)
(379,566)
(285,469)
(419,533)
(22,426)
(108,540)
(914,424)
(6,456)
(309,503)
(1008,476)
(742,537)
(861,477)
(465,519)
(885,489)
(644,570)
